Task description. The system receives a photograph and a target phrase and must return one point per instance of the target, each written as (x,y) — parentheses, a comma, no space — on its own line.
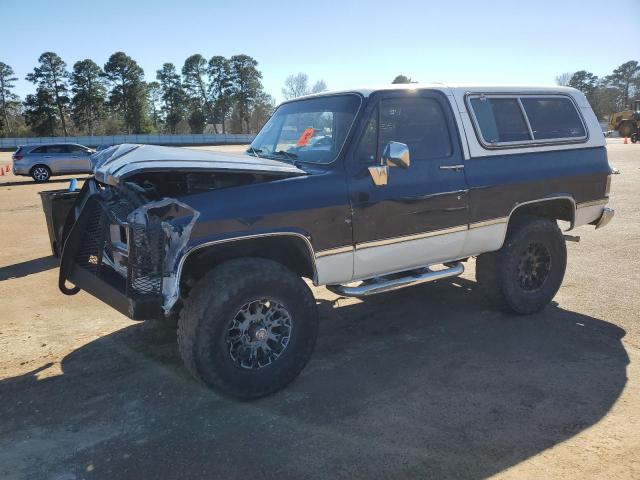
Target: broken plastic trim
(176,220)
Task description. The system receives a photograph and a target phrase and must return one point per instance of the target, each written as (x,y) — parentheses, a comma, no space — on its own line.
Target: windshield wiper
(255,151)
(278,153)
(284,153)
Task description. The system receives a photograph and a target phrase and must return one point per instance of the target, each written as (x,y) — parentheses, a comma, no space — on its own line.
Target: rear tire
(248,327)
(40,173)
(627,129)
(526,273)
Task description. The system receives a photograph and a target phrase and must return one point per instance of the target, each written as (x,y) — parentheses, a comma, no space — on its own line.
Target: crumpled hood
(116,163)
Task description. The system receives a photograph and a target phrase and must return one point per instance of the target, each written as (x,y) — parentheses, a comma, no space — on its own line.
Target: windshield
(312,130)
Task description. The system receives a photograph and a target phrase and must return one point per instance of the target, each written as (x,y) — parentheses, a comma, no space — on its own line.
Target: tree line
(217,95)
(609,94)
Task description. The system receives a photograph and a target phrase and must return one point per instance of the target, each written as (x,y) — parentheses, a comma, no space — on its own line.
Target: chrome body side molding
(334,251)
(408,238)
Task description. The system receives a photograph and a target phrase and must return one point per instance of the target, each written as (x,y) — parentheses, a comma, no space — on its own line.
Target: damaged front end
(123,246)
(128,228)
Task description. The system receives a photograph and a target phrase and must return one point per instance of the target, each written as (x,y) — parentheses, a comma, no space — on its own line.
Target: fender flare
(204,245)
(538,201)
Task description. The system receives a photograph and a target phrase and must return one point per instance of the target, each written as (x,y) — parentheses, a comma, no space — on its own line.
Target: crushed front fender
(123,250)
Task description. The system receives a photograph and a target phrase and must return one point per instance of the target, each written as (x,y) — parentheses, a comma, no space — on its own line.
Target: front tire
(40,173)
(248,327)
(526,273)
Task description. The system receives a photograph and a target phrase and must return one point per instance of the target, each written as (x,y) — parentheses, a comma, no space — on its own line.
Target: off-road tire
(212,305)
(497,272)
(40,173)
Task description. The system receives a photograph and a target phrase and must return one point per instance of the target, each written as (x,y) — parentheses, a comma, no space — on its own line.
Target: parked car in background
(42,161)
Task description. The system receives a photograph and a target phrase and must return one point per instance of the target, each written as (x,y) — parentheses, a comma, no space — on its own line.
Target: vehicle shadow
(427,382)
(28,267)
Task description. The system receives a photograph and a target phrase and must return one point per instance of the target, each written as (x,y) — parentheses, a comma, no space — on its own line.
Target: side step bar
(397,281)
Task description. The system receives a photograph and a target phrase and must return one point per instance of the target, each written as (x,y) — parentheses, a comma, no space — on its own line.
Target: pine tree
(51,78)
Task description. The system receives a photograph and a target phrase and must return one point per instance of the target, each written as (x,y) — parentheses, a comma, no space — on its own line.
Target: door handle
(455,168)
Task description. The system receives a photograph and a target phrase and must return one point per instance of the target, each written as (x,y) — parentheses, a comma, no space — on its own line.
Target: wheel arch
(293,250)
(557,207)
(43,165)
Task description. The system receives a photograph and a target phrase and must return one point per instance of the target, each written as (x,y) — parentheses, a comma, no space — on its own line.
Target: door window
(419,123)
(77,149)
(57,149)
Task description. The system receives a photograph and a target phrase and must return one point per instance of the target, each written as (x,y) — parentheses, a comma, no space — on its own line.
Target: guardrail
(94,141)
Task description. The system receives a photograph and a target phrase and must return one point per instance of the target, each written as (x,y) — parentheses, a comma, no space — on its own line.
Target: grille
(146,247)
(146,259)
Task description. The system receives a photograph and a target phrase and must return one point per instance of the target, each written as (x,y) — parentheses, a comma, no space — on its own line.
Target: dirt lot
(428,382)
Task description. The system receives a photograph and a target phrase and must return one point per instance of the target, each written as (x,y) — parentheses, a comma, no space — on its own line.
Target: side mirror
(396,154)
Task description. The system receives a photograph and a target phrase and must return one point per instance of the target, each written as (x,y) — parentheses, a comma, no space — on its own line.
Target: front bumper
(605,217)
(110,256)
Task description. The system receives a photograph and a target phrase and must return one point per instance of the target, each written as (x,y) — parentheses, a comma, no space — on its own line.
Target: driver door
(420,216)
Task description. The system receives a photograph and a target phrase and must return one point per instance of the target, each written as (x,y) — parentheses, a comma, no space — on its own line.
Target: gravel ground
(427,382)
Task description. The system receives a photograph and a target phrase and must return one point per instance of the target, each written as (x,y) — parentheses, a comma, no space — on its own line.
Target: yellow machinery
(627,122)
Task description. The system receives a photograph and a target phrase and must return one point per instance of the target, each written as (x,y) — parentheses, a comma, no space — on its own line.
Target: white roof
(456,89)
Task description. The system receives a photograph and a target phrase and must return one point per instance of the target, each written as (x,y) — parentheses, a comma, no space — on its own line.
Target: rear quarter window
(553,118)
(510,120)
(500,120)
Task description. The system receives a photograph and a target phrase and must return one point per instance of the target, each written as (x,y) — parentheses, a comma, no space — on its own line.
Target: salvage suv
(363,191)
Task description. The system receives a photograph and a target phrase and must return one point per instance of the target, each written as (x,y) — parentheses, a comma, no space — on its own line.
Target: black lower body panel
(112,292)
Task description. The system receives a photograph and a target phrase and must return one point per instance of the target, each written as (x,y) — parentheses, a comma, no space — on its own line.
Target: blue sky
(345,43)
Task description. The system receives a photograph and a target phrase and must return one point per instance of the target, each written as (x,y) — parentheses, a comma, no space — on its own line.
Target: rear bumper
(605,217)
(20,169)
